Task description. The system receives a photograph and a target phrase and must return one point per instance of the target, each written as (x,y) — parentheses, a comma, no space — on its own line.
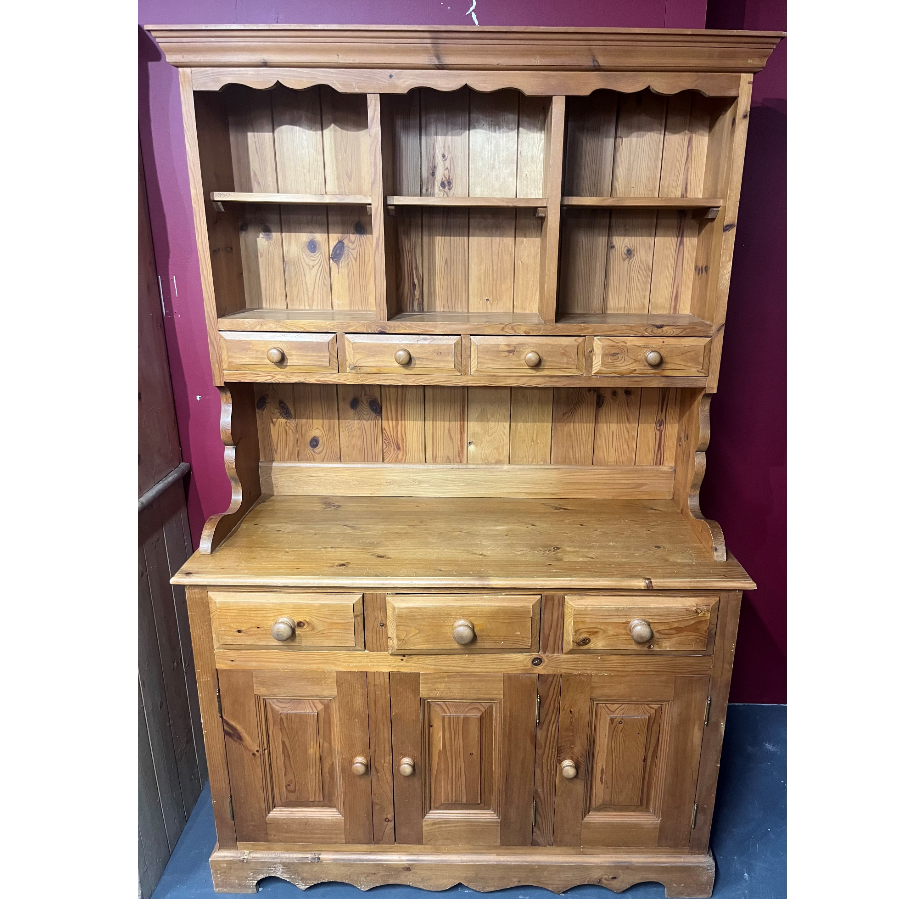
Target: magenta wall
(745,483)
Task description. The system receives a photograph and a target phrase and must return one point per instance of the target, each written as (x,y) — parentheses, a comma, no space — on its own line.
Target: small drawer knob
(403,357)
(653,358)
(532,359)
(284,628)
(463,632)
(640,630)
(407,767)
(569,769)
(275,355)
(360,765)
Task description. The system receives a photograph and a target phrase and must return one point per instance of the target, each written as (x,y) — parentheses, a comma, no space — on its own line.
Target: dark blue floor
(749,836)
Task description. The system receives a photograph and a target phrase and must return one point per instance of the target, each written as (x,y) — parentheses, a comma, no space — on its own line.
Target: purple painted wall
(746,473)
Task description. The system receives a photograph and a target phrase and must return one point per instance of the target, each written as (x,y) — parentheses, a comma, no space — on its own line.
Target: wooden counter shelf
(462,542)
(465,294)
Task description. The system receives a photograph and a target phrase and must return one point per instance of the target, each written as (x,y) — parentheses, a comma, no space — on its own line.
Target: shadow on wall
(745,487)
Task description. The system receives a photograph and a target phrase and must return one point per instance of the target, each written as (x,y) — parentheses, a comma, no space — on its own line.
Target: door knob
(569,769)
(532,359)
(653,358)
(640,629)
(275,355)
(360,765)
(403,357)
(407,767)
(284,628)
(463,631)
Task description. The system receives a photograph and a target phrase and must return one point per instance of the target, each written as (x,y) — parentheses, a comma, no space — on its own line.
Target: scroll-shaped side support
(692,442)
(241,463)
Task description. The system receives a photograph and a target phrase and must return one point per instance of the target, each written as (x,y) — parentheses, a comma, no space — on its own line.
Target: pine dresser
(465,290)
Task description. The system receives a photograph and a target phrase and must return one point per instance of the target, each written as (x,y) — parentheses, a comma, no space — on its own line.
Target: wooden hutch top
(465,292)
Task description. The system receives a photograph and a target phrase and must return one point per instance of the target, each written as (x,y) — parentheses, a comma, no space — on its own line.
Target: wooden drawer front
(381,354)
(603,623)
(681,356)
(424,624)
(509,355)
(323,620)
(299,352)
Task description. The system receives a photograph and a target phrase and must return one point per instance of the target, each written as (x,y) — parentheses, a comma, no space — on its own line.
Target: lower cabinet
(443,755)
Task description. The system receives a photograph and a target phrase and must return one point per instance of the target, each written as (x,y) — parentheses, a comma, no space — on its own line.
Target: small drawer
(399,353)
(673,357)
(527,355)
(274,352)
(461,624)
(289,620)
(621,623)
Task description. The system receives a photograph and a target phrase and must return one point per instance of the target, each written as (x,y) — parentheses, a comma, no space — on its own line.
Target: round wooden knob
(275,355)
(640,630)
(407,767)
(569,769)
(403,357)
(360,765)
(653,358)
(284,628)
(463,632)
(532,359)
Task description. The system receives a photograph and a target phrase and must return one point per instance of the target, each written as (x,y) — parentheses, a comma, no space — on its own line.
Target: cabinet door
(635,742)
(470,738)
(292,740)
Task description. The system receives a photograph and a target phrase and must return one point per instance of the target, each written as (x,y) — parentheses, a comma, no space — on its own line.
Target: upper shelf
(490,202)
(219,196)
(694,203)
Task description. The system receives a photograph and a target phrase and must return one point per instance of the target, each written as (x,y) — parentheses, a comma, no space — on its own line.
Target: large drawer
(532,356)
(295,620)
(459,624)
(399,353)
(278,352)
(619,623)
(671,357)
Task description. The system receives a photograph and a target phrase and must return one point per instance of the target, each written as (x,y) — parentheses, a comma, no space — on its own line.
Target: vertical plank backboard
(617,417)
(444,240)
(532,113)
(657,428)
(488,425)
(445,424)
(317,428)
(636,172)
(297,121)
(493,151)
(359,411)
(403,423)
(530,433)
(574,416)
(444,143)
(253,158)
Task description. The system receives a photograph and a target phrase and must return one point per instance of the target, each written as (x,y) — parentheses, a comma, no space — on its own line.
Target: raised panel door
(470,739)
(628,759)
(297,744)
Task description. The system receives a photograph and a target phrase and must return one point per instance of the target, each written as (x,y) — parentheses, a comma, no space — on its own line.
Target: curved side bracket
(241,441)
(692,442)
